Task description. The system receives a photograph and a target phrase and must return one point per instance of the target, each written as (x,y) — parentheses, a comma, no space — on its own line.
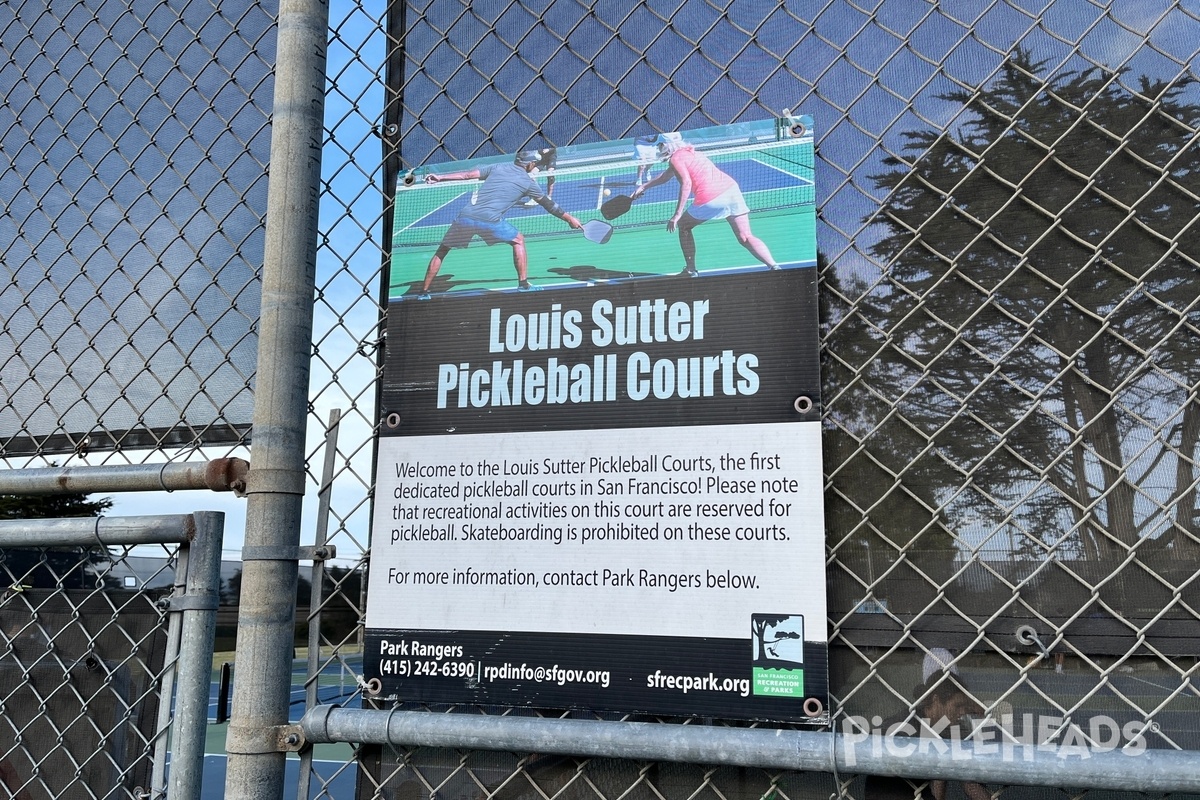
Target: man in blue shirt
(504,187)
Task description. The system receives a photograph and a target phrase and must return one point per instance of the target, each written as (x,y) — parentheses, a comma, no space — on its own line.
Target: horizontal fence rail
(85,532)
(1015,764)
(218,475)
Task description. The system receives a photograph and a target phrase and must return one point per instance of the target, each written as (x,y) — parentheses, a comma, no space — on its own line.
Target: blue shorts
(464,229)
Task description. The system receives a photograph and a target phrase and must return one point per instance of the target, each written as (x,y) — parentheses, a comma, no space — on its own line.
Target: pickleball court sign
(599,463)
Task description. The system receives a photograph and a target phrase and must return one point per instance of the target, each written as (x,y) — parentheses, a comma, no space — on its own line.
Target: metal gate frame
(192,607)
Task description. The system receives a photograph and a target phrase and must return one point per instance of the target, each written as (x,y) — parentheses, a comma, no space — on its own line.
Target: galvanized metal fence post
(311,694)
(199,624)
(158,780)
(275,484)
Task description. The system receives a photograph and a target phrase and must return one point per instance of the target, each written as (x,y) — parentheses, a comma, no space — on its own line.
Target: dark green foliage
(1021,379)
(58,506)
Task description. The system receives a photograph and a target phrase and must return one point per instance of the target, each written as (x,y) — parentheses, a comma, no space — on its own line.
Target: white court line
(439,208)
(803,180)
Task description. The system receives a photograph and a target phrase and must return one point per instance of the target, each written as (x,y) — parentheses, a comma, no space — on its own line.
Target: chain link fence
(1008,281)
(134,146)
(105,666)
(107,672)
(1008,261)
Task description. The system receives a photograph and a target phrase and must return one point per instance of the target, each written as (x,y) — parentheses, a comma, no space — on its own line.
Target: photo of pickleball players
(504,187)
(716,196)
(575,217)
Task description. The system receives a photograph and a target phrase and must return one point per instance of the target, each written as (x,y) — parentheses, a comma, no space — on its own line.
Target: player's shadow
(447,283)
(586,273)
(583,273)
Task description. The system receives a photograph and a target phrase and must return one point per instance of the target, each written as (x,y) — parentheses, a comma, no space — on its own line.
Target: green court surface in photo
(776,181)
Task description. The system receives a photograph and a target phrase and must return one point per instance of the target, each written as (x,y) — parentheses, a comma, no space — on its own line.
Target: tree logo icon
(778,638)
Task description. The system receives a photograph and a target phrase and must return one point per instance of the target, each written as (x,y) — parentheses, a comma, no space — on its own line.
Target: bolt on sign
(599,465)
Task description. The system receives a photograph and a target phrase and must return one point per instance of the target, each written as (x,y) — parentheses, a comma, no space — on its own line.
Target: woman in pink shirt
(716,196)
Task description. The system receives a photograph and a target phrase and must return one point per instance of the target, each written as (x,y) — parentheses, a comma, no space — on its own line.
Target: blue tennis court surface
(334,769)
(337,683)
